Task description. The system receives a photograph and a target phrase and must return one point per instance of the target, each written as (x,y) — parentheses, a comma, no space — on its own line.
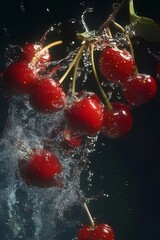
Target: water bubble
(59,24)
(72,43)
(115,6)
(119,193)
(27,129)
(129,210)
(72,20)
(126,183)
(103,144)
(22,6)
(5,29)
(82,3)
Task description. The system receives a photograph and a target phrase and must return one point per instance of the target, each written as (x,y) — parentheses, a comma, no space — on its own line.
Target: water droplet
(72,43)
(119,193)
(115,6)
(22,6)
(126,183)
(72,20)
(103,144)
(82,3)
(129,210)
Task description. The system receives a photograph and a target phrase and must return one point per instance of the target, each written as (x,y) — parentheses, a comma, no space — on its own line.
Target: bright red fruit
(85,115)
(116,65)
(47,96)
(19,78)
(90,95)
(40,169)
(117,121)
(72,138)
(100,232)
(139,89)
(31,49)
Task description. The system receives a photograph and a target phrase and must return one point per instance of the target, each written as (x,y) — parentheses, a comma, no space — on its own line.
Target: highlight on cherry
(111,60)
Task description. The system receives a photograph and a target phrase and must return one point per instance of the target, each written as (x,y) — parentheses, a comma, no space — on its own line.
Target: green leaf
(133,16)
(143,26)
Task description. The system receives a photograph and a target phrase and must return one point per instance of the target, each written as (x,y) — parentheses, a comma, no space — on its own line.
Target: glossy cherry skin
(30,50)
(116,65)
(19,78)
(118,121)
(72,138)
(40,169)
(47,96)
(100,231)
(85,116)
(139,89)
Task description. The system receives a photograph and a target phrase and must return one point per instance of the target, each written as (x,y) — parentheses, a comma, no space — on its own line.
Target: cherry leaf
(143,26)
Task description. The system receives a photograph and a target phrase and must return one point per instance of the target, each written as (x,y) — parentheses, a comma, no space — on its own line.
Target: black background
(127,169)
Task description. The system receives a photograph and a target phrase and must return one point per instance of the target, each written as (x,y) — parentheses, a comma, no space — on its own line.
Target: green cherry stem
(107,103)
(118,26)
(109,32)
(78,55)
(75,76)
(110,18)
(35,59)
(89,215)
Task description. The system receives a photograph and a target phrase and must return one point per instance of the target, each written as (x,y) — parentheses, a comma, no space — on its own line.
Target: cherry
(30,50)
(19,78)
(72,138)
(117,121)
(85,115)
(116,65)
(139,89)
(91,95)
(47,96)
(40,169)
(100,231)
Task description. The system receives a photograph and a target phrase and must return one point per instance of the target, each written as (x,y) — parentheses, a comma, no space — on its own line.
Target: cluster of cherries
(84,113)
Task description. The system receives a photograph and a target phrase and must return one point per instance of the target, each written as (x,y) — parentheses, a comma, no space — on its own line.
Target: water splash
(30,212)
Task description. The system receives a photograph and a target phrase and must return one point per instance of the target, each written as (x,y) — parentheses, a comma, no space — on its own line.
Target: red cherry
(72,138)
(47,96)
(118,121)
(116,65)
(19,78)
(139,89)
(40,169)
(31,49)
(100,231)
(91,95)
(85,115)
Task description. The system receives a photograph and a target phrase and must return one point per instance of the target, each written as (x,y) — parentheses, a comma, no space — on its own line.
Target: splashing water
(30,212)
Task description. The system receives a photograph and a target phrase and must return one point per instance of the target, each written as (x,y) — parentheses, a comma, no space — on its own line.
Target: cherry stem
(77,57)
(89,215)
(118,26)
(35,59)
(107,103)
(109,32)
(75,76)
(110,18)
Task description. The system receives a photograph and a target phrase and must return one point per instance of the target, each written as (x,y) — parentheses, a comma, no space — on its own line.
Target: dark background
(127,169)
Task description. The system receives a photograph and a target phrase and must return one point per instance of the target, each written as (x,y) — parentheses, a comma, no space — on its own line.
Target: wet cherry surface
(126,169)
